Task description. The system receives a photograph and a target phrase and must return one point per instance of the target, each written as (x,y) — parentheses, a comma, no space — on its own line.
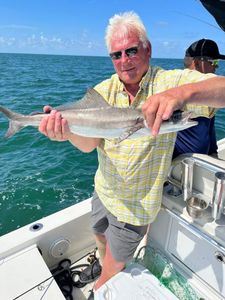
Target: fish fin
(14,127)
(92,99)
(34,113)
(188,115)
(129,132)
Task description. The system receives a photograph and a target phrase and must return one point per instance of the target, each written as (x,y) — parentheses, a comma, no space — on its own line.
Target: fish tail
(14,127)
(14,124)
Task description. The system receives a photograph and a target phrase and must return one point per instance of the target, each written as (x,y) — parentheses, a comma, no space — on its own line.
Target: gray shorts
(123,238)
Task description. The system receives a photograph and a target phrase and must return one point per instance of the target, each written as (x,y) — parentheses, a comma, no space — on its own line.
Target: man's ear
(197,64)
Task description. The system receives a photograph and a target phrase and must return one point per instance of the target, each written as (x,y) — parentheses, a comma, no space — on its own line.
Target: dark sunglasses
(130,52)
(213,62)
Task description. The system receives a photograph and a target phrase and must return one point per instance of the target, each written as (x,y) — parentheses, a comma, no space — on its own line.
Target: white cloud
(55,44)
(7,41)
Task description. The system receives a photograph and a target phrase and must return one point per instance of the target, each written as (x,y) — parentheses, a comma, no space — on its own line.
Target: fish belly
(112,133)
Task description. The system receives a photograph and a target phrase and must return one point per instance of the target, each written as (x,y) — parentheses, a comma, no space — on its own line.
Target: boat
(187,239)
(181,257)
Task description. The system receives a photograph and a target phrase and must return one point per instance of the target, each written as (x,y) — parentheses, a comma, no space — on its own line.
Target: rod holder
(187,177)
(218,200)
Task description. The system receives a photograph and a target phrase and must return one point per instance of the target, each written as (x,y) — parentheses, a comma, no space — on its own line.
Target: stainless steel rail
(188,164)
(218,201)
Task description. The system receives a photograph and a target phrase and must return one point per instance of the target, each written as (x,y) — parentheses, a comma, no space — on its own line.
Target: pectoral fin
(129,132)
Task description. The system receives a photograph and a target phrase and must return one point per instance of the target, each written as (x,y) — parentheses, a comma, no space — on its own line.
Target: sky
(71,27)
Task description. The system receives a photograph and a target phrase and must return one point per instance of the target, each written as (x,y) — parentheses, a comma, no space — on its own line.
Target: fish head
(179,120)
(179,116)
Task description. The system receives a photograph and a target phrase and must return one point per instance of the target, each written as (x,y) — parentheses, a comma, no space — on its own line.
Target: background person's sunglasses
(213,62)
(130,52)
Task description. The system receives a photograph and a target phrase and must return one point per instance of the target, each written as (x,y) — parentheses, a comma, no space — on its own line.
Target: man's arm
(159,107)
(56,128)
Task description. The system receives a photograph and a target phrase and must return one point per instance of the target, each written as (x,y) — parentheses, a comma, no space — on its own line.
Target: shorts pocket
(133,232)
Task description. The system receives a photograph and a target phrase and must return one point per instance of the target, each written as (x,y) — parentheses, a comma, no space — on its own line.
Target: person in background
(203,56)
(130,176)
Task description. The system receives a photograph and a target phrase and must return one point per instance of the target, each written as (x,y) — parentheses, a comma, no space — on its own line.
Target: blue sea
(37,176)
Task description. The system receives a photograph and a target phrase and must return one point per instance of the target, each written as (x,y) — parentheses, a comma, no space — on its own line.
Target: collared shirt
(130,176)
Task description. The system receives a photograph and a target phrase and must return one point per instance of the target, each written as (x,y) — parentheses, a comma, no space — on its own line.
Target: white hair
(124,24)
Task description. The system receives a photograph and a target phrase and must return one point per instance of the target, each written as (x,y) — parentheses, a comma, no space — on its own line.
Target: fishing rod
(216,8)
(198,19)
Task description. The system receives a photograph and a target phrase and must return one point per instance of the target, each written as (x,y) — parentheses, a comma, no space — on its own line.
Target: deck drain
(36,227)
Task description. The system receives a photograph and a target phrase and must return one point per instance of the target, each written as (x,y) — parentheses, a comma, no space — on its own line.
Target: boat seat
(25,276)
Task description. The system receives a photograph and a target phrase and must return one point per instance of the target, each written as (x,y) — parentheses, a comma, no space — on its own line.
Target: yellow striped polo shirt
(130,176)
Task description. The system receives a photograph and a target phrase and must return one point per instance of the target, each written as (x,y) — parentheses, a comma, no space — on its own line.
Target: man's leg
(110,268)
(101,245)
(116,241)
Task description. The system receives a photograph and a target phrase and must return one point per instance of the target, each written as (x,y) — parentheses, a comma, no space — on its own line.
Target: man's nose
(124,57)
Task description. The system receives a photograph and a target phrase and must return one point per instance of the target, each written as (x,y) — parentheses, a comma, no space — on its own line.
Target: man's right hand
(54,126)
(160,107)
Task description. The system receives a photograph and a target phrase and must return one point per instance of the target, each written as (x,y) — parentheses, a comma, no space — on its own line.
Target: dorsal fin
(92,99)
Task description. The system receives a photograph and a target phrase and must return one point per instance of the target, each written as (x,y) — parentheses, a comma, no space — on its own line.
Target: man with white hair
(129,179)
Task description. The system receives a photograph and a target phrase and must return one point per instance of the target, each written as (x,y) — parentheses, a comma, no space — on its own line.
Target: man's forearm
(85,144)
(210,92)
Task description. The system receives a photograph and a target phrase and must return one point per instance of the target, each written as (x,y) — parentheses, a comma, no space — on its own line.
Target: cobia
(92,116)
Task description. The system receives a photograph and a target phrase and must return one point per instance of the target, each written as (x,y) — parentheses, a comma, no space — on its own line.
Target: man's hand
(54,126)
(160,107)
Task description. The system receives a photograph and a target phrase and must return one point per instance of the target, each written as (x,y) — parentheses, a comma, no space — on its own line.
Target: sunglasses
(130,52)
(213,62)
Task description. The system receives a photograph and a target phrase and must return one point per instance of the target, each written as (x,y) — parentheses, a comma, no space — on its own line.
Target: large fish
(92,116)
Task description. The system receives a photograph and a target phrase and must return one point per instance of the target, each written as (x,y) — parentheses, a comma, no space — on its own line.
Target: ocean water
(37,176)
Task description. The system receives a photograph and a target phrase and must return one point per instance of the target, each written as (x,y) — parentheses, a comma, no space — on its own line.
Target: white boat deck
(25,276)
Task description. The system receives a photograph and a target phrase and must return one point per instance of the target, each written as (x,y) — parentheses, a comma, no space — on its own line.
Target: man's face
(132,58)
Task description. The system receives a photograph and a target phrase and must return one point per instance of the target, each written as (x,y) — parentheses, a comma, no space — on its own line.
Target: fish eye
(139,119)
(176,116)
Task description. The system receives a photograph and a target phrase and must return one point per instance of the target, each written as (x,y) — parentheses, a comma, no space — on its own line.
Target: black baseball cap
(204,48)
